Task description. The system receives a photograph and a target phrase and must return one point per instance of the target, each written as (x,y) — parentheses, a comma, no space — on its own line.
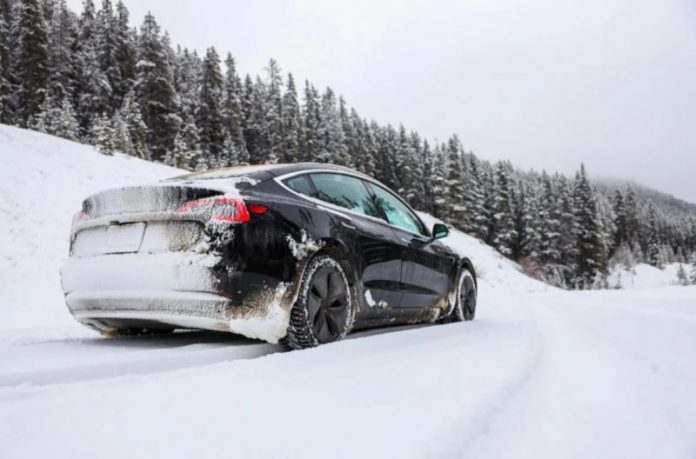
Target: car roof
(265,171)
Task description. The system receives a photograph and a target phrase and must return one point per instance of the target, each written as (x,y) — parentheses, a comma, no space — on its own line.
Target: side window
(344,191)
(300,184)
(398,214)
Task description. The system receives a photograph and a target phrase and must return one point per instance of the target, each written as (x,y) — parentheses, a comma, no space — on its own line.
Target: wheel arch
(466,263)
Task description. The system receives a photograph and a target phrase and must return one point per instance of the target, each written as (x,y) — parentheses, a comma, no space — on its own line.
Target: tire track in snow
(485,414)
(136,356)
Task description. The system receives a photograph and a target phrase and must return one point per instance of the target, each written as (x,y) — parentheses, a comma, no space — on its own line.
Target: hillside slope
(44,186)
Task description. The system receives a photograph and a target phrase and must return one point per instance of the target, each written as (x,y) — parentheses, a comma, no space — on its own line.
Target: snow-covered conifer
(137,129)
(330,132)
(505,234)
(31,61)
(456,212)
(155,91)
(591,251)
(291,123)
(209,113)
(653,250)
(104,135)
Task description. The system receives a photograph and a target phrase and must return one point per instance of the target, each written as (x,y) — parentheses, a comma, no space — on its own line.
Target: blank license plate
(124,238)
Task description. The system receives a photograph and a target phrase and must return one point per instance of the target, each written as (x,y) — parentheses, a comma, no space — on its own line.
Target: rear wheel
(465,307)
(324,311)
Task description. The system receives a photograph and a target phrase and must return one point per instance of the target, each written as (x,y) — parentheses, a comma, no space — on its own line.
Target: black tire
(324,311)
(466,296)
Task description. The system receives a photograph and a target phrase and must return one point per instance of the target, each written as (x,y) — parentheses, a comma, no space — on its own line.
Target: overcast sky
(544,83)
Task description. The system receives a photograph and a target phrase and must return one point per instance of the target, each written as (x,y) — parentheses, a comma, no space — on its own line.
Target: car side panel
(370,247)
(427,271)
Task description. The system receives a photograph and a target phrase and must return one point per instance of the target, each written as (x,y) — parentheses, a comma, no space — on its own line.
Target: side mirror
(440,231)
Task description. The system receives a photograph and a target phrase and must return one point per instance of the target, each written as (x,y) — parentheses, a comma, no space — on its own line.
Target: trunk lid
(164,198)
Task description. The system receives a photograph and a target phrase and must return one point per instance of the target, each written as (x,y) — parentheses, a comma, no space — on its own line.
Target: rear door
(374,245)
(426,265)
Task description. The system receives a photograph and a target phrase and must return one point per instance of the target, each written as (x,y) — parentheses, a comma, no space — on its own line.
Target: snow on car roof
(228,172)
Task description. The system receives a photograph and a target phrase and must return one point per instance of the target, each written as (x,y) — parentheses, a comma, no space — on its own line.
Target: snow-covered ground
(540,373)
(643,276)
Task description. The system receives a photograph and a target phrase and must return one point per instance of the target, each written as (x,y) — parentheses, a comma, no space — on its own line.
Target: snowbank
(42,185)
(644,276)
(496,274)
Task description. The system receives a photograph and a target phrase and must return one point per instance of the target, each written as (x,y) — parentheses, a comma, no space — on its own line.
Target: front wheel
(324,311)
(465,306)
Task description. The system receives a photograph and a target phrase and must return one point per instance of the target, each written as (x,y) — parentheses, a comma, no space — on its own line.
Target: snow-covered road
(554,374)
(540,372)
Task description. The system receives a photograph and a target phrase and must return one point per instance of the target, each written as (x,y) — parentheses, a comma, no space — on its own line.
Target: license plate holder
(126,238)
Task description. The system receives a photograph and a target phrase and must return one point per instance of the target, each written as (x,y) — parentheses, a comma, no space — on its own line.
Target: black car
(294,253)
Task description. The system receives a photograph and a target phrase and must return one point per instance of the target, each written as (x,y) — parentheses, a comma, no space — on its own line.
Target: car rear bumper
(173,290)
(155,309)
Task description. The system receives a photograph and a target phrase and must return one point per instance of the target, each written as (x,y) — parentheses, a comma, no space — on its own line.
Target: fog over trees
(95,78)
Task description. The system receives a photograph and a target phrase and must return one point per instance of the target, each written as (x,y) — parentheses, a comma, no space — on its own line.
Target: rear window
(300,184)
(345,191)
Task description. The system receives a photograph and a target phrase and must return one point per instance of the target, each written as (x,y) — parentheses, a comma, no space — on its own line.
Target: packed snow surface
(643,276)
(540,373)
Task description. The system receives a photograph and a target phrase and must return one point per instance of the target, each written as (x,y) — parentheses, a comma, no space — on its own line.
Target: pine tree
(186,153)
(591,252)
(104,135)
(125,54)
(365,144)
(272,112)
(620,235)
(682,276)
(439,184)
(122,140)
(92,91)
(653,250)
(475,222)
(428,169)
(256,127)
(489,194)
(528,246)
(291,123)
(106,47)
(232,113)
(5,90)
(31,62)
(350,135)
(62,44)
(136,127)
(693,268)
(631,215)
(550,224)
(568,232)
(5,86)
(505,234)
(330,132)
(408,169)
(209,113)
(154,89)
(311,143)
(456,212)
(66,125)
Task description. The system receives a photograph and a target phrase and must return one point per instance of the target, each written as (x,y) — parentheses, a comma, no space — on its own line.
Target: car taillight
(223,209)
(78,217)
